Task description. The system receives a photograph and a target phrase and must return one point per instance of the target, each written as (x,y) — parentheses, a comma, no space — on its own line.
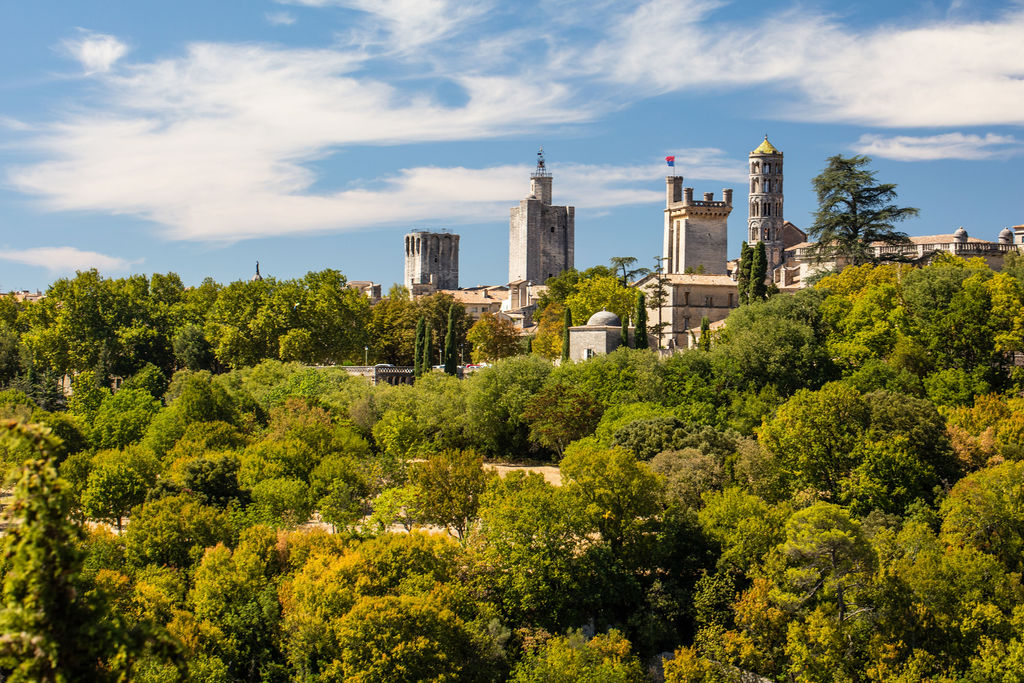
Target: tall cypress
(566,324)
(625,331)
(426,362)
(641,341)
(704,343)
(758,273)
(418,348)
(743,276)
(450,360)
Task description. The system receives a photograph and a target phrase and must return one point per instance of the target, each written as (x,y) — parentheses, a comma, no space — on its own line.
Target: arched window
(767,186)
(767,168)
(767,209)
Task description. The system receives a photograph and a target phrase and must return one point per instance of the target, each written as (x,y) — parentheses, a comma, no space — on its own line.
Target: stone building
(541,235)
(689,297)
(696,231)
(431,261)
(602,334)
(765,222)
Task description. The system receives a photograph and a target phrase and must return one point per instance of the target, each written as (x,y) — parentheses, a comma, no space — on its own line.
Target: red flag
(671,161)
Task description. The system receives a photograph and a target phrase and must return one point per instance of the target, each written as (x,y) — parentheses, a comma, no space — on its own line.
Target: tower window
(767,186)
(552,228)
(767,168)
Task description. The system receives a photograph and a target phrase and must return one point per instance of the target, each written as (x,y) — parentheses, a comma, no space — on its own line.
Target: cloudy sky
(198,137)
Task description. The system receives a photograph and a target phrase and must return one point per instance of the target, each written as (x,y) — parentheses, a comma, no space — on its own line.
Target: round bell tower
(765,219)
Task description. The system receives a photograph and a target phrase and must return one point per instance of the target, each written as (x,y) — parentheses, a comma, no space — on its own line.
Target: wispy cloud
(65,259)
(279,18)
(933,147)
(97,52)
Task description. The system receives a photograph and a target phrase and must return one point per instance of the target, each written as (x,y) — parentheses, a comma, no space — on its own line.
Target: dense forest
(832,490)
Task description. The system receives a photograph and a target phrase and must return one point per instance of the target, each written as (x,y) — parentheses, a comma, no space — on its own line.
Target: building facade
(687,299)
(431,261)
(765,222)
(696,231)
(541,235)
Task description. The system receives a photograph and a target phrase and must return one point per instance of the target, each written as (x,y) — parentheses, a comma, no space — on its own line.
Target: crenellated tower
(766,218)
(431,261)
(696,230)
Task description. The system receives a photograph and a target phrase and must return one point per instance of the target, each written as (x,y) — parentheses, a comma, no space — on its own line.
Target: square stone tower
(541,236)
(696,231)
(431,258)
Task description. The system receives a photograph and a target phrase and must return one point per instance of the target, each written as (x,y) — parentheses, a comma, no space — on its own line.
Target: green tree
(641,323)
(111,491)
(451,352)
(758,273)
(854,211)
(392,328)
(494,337)
(743,274)
(560,414)
(448,489)
(566,324)
(606,657)
(123,417)
(704,343)
(623,266)
(600,293)
(625,332)
(421,329)
(426,361)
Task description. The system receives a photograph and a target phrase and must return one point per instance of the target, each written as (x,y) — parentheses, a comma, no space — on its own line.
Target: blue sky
(198,137)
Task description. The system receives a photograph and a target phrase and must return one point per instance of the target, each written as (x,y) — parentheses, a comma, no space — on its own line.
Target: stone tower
(541,236)
(431,260)
(696,231)
(765,221)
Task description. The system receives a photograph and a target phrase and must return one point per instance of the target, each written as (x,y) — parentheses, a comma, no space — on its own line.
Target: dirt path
(551,473)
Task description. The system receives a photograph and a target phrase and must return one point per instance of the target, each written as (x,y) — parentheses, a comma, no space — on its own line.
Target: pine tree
(451,365)
(704,343)
(641,341)
(758,274)
(743,276)
(427,362)
(417,352)
(566,324)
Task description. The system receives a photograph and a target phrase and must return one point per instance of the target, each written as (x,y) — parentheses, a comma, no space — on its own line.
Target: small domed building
(601,334)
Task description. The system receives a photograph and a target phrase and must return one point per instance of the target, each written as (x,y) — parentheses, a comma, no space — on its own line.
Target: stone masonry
(696,231)
(766,222)
(541,236)
(431,258)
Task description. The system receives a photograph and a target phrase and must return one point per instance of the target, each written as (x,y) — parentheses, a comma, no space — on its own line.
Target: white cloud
(279,18)
(65,259)
(933,147)
(947,73)
(96,52)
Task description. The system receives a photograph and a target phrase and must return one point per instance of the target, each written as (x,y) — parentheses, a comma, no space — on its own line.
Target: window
(552,228)
(707,301)
(686,298)
(767,168)
(730,299)
(767,186)
(588,354)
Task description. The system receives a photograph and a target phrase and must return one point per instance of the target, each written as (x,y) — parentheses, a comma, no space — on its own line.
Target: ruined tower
(696,231)
(431,261)
(541,236)
(765,221)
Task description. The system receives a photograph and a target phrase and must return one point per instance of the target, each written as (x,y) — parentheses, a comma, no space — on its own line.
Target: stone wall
(432,258)
(541,236)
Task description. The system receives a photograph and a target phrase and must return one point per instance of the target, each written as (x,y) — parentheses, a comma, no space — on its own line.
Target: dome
(604,319)
(960,235)
(1006,236)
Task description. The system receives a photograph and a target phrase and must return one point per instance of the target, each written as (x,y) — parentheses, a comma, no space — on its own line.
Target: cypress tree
(566,324)
(450,359)
(704,343)
(641,323)
(625,331)
(417,351)
(758,274)
(743,276)
(425,363)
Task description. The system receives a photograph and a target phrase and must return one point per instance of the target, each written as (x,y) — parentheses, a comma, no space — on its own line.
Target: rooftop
(766,148)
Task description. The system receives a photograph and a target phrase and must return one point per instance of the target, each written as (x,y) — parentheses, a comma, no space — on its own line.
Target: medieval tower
(696,231)
(541,236)
(765,221)
(431,259)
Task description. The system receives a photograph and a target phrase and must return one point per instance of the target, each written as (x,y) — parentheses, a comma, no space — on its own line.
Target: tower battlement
(696,230)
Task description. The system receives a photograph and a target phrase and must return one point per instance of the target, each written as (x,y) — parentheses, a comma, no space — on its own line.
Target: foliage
(563,659)
(493,337)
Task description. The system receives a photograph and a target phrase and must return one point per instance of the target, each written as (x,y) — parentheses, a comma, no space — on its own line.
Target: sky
(199,137)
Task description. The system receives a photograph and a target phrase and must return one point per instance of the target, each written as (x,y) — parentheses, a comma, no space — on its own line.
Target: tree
(448,489)
(392,328)
(560,414)
(657,297)
(566,324)
(51,628)
(426,361)
(451,355)
(743,276)
(625,332)
(606,657)
(854,211)
(641,340)
(622,266)
(600,293)
(111,491)
(417,354)
(758,273)
(704,343)
(493,337)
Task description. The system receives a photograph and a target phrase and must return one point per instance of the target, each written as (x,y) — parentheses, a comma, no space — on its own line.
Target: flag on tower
(671,161)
